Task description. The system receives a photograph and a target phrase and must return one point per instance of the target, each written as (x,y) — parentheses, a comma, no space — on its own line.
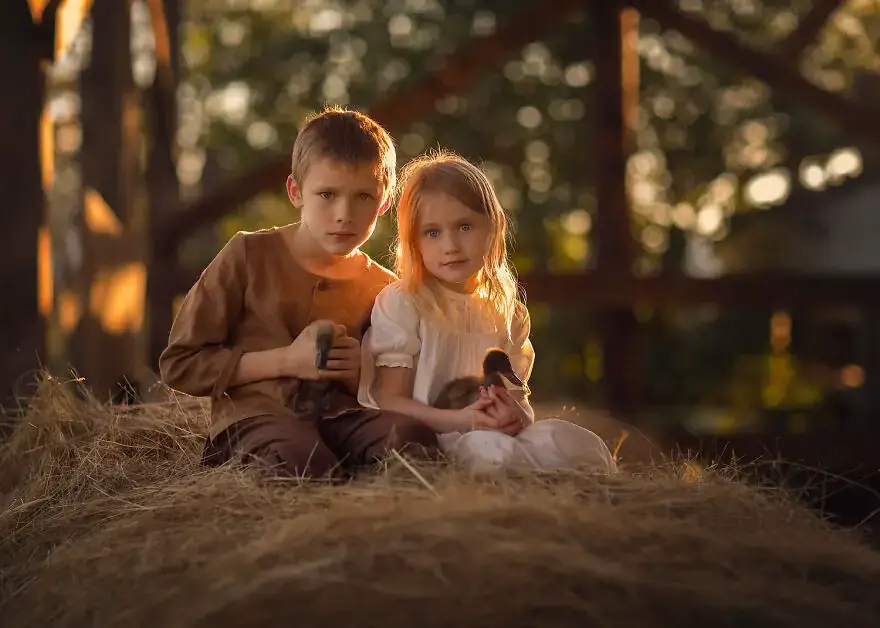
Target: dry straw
(108,521)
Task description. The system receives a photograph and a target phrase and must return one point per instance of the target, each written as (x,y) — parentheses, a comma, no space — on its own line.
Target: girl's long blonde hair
(446,172)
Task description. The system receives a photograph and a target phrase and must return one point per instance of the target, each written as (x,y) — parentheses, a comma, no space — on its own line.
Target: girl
(457,297)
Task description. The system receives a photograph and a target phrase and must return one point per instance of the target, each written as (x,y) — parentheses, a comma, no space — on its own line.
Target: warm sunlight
(100,218)
(576,248)
(70,18)
(654,239)
(709,220)
(37,7)
(117,298)
(71,14)
(69,310)
(684,216)
(47,148)
(45,274)
(577,222)
(852,376)
(660,245)
(844,163)
(769,188)
(812,176)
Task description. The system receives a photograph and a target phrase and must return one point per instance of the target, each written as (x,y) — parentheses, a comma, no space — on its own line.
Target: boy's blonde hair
(346,136)
(446,172)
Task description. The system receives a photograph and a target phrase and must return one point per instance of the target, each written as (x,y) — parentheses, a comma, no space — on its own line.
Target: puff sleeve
(394,329)
(392,339)
(521,352)
(198,360)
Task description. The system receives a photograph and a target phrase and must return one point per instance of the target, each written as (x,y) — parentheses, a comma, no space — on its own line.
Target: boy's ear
(385,206)
(293,192)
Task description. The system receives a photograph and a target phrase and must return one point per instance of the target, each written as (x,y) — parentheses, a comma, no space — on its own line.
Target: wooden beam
(461,70)
(596,291)
(780,74)
(809,27)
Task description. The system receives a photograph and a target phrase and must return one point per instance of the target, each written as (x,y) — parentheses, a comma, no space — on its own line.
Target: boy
(246,331)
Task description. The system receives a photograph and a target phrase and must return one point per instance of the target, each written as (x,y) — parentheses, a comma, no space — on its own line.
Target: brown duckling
(464,391)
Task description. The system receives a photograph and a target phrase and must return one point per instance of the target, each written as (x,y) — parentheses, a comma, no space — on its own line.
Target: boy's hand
(343,360)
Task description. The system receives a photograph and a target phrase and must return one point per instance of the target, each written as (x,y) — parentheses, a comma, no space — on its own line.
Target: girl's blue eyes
(433,233)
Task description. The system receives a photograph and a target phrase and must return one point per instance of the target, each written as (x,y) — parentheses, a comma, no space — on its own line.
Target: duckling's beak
(511,377)
(497,361)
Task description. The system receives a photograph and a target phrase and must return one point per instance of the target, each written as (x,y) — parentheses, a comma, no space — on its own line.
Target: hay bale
(108,520)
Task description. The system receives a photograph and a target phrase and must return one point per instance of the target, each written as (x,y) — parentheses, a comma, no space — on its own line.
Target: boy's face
(340,204)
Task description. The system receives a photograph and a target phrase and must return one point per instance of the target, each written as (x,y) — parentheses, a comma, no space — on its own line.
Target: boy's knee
(411,436)
(278,445)
(293,458)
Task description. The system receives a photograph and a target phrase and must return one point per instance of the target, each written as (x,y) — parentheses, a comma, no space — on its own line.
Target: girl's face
(453,240)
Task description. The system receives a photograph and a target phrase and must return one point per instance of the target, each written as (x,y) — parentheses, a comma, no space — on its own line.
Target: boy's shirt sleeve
(198,360)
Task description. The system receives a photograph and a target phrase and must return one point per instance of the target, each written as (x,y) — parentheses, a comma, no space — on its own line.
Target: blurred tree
(710,143)
(26,45)
(707,135)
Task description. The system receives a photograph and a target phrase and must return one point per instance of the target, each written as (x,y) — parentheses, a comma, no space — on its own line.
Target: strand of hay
(108,520)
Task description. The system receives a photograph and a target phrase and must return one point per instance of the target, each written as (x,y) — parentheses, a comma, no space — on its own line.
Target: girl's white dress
(439,352)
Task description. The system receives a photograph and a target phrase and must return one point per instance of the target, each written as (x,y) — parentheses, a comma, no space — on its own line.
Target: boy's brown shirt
(254,296)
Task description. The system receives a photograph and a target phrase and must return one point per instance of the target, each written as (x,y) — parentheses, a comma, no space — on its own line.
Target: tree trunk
(24,200)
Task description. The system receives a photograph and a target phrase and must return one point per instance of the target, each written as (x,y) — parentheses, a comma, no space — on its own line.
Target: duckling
(325,334)
(463,391)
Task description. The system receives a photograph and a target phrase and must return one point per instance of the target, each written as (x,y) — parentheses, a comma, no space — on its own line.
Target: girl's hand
(510,416)
(474,417)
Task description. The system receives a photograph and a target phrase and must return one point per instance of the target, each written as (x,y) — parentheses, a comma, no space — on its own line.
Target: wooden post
(106,346)
(870,357)
(24,46)
(617,97)
(163,183)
